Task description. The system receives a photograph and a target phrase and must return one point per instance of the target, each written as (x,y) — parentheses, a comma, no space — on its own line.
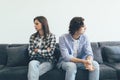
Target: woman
(41,49)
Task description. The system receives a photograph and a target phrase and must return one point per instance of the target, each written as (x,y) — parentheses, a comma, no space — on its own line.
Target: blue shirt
(66,43)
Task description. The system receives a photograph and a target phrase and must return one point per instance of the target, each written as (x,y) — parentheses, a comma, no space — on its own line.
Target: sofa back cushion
(57,52)
(97,52)
(17,55)
(107,43)
(3,54)
(112,53)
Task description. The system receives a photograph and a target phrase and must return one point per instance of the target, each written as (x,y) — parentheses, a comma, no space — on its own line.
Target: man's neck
(75,36)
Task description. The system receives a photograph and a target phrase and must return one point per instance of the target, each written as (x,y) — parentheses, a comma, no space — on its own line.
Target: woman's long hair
(44,23)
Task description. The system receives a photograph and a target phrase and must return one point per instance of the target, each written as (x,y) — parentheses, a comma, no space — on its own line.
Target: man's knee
(96,65)
(70,66)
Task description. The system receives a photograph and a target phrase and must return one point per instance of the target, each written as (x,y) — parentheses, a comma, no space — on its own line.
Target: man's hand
(89,67)
(86,62)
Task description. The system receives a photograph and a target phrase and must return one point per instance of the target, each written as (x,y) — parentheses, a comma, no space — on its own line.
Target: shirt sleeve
(52,42)
(63,49)
(87,48)
(31,45)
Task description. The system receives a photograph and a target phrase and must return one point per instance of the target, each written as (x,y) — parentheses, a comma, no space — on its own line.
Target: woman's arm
(31,45)
(46,52)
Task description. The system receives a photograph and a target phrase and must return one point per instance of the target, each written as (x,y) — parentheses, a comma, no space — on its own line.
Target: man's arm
(65,53)
(90,58)
(63,49)
(87,49)
(77,60)
(89,54)
(90,66)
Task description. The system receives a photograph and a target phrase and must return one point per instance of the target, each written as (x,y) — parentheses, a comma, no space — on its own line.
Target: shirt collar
(42,36)
(73,38)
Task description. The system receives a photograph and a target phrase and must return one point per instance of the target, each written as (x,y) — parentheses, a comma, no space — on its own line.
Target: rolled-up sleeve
(87,48)
(64,50)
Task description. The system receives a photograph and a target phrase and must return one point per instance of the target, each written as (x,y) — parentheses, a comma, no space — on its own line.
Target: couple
(75,50)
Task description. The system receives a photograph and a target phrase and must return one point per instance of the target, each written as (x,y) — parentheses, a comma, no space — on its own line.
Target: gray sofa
(14,61)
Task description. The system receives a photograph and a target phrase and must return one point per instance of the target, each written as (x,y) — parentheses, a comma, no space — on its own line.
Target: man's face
(81,30)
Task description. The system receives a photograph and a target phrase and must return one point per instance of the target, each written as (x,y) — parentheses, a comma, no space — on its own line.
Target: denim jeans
(37,69)
(71,70)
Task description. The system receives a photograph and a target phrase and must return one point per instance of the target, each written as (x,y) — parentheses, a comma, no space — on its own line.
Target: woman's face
(38,25)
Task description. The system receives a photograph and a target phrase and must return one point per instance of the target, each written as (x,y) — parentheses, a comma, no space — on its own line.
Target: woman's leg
(33,70)
(44,67)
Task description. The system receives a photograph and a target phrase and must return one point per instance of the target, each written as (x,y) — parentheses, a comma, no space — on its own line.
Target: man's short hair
(75,24)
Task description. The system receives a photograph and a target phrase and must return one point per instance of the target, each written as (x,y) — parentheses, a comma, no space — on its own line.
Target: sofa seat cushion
(107,72)
(17,56)
(112,53)
(1,67)
(14,73)
(54,74)
(82,74)
(59,74)
(3,54)
(117,67)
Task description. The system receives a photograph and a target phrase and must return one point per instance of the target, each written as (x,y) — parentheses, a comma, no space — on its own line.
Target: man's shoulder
(65,37)
(84,36)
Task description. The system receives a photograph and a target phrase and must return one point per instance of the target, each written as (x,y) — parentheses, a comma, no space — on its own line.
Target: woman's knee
(33,63)
(46,65)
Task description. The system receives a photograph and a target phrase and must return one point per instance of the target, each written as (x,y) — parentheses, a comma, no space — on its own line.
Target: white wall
(102,18)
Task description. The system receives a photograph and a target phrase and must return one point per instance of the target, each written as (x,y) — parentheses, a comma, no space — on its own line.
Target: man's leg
(94,75)
(70,69)
(33,70)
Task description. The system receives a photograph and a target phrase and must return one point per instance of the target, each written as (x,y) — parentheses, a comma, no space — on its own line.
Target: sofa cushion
(17,56)
(97,52)
(112,53)
(14,73)
(1,66)
(54,74)
(3,54)
(117,67)
(107,72)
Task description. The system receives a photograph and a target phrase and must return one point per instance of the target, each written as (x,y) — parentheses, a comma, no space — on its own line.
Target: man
(76,51)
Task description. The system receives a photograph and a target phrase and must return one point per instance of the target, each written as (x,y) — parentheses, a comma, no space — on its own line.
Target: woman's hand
(48,49)
(36,50)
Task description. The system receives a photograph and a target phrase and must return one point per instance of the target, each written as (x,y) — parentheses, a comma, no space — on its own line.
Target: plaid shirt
(37,42)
